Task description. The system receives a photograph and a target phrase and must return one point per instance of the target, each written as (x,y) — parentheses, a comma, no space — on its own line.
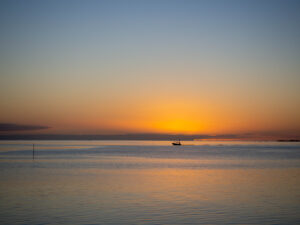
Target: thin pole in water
(32,151)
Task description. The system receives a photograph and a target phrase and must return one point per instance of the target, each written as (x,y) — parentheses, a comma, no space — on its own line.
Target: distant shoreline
(289,140)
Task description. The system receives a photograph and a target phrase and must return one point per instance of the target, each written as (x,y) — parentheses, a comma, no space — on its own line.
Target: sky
(112,67)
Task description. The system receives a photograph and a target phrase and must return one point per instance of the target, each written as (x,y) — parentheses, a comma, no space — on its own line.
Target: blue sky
(126,60)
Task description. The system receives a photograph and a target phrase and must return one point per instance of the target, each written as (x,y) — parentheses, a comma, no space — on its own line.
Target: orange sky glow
(158,69)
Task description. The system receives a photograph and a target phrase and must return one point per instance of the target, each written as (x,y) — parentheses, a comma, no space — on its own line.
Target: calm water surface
(135,182)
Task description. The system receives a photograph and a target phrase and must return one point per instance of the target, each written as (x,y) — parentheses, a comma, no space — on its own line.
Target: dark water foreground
(88,182)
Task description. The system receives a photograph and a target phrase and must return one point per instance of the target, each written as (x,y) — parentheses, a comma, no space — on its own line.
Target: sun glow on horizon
(150,67)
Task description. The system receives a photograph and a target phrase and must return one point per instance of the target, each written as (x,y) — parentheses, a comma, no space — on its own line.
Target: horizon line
(149,137)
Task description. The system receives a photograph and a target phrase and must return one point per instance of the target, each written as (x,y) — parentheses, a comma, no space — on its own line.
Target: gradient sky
(105,67)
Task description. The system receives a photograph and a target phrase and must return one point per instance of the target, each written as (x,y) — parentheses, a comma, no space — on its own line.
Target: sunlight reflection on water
(92,183)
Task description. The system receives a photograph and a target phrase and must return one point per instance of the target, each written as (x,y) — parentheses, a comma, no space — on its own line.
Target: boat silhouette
(176,142)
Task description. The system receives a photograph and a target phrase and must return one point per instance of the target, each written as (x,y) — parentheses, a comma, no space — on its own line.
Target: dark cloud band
(20,127)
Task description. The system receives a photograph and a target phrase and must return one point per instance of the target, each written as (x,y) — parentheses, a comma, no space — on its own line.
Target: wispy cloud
(20,127)
(132,136)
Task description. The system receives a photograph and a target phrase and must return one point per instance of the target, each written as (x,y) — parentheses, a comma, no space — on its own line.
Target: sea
(149,182)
